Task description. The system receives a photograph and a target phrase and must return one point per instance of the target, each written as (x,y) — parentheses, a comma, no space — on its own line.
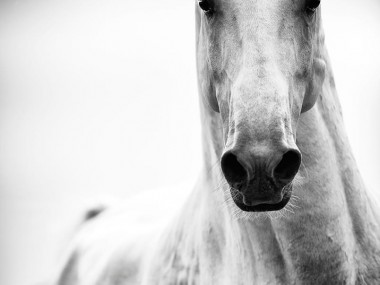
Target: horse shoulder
(108,250)
(115,247)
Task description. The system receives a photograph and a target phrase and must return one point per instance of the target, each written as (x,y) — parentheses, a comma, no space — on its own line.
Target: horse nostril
(288,166)
(232,168)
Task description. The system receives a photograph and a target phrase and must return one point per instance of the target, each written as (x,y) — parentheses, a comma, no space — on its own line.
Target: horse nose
(287,167)
(239,168)
(235,170)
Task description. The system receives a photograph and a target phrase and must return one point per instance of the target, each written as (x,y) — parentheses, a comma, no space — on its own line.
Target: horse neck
(331,206)
(332,194)
(329,166)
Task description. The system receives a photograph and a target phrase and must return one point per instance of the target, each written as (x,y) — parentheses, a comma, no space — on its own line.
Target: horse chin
(263,207)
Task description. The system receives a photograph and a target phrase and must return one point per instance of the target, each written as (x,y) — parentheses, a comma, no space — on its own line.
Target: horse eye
(312,5)
(205,5)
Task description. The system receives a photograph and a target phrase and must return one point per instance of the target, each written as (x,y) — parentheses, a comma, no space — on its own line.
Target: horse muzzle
(260,178)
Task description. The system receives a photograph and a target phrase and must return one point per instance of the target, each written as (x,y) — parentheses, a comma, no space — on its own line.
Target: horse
(280,199)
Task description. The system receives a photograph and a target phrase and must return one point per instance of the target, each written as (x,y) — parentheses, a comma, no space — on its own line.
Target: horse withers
(280,199)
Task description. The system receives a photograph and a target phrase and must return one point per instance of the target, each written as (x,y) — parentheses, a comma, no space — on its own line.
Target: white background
(98,100)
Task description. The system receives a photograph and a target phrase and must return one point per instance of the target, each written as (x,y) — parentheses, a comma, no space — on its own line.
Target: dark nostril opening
(288,166)
(232,169)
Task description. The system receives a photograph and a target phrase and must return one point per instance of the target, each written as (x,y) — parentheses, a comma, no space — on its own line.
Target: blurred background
(98,101)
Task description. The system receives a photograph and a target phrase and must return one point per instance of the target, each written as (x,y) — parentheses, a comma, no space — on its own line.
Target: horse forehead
(259,18)
(249,7)
(257,3)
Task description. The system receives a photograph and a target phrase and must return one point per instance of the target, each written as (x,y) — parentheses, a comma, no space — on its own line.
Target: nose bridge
(259,106)
(259,116)
(259,109)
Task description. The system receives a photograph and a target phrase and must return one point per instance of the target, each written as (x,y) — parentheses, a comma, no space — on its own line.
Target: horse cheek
(213,101)
(315,87)
(211,98)
(207,88)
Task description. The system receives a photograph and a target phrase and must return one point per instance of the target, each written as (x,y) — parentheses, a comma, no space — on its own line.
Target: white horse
(258,215)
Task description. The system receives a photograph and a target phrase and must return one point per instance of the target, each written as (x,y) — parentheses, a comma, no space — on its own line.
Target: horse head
(260,66)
